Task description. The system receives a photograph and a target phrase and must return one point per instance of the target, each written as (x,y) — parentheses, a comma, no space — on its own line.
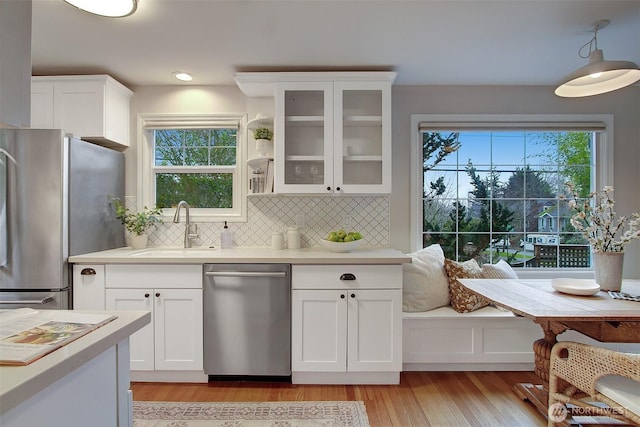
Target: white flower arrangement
(595,217)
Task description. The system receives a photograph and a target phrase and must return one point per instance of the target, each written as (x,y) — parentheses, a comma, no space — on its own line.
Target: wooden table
(599,316)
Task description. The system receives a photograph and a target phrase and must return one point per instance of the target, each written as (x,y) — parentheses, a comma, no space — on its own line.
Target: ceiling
(427,42)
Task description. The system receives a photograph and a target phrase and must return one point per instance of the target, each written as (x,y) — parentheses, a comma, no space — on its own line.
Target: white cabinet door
(178,329)
(319,330)
(88,287)
(42,105)
(303,133)
(142,342)
(375,330)
(362,137)
(78,107)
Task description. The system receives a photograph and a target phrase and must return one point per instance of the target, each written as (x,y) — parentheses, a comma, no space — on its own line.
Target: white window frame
(603,166)
(146,179)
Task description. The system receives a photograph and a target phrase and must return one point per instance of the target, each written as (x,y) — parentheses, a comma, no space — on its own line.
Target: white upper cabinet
(94,108)
(332,131)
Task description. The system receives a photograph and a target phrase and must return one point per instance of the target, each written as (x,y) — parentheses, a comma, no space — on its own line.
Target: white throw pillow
(425,284)
(499,270)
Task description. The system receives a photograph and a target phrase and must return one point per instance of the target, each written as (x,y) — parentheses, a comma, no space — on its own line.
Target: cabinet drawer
(154,276)
(346,276)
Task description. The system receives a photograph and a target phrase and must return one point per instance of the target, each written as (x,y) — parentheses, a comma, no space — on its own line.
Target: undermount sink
(172,252)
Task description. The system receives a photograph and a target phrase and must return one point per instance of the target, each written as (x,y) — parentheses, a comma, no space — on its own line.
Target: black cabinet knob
(146,295)
(328,188)
(337,188)
(342,296)
(353,295)
(157,294)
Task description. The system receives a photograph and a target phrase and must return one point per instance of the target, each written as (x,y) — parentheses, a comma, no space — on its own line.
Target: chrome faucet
(189,234)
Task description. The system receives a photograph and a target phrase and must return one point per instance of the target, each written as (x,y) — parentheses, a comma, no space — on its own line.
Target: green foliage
(574,151)
(139,222)
(263,133)
(193,148)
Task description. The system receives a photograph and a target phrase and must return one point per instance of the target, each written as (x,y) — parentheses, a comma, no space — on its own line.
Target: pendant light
(599,76)
(109,8)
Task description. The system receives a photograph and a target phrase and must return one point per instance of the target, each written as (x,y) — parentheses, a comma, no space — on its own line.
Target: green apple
(333,236)
(349,238)
(342,234)
(357,235)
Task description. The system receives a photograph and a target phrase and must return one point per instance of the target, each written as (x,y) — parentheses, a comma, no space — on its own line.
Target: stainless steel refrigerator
(53,204)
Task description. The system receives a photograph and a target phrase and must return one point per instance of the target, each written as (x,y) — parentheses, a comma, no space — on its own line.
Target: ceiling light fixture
(599,76)
(182,75)
(109,8)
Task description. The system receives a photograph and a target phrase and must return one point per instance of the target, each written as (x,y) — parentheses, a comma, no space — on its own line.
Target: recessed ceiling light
(109,8)
(184,76)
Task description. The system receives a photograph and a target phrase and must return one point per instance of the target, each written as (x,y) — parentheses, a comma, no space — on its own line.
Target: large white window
(194,158)
(493,188)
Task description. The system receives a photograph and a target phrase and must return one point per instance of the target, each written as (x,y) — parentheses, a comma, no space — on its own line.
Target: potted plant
(606,232)
(137,223)
(263,137)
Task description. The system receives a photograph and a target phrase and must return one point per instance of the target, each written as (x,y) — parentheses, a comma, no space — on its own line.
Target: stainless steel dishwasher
(247,320)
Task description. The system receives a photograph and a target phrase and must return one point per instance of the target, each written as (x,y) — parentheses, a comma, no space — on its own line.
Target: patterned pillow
(463,300)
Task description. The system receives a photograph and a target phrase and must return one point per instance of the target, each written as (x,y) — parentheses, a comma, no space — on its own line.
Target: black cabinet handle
(88,272)
(348,276)
(157,294)
(328,188)
(146,295)
(342,296)
(337,188)
(353,295)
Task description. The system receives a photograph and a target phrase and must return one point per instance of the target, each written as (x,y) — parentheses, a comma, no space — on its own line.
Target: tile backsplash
(270,213)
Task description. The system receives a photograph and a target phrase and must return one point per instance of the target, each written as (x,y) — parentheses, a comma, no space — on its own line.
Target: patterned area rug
(250,414)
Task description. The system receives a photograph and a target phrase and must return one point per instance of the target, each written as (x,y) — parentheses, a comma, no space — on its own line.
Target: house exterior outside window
(494,187)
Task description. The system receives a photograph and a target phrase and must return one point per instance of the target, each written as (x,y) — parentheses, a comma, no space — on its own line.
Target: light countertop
(19,383)
(202,255)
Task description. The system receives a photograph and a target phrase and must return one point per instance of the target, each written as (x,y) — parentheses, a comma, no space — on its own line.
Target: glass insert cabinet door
(333,137)
(362,137)
(303,132)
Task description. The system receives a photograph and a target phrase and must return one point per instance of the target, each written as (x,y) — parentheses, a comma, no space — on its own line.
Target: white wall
(623,104)
(407,100)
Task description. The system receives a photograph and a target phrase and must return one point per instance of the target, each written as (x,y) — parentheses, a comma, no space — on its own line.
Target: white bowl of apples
(341,241)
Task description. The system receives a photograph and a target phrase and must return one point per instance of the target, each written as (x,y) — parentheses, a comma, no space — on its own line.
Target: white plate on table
(575,286)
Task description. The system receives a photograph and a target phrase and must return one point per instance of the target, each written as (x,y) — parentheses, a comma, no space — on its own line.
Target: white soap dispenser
(226,237)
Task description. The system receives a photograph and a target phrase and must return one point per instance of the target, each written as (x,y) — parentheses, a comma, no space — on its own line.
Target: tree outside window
(495,194)
(197,165)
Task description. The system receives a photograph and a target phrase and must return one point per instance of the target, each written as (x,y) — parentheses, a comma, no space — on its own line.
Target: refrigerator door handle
(41,301)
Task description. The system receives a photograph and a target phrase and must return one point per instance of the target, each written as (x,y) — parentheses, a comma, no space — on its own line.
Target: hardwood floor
(421,398)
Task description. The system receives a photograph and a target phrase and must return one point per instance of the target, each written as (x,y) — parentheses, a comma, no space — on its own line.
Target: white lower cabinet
(351,332)
(172,343)
(173,339)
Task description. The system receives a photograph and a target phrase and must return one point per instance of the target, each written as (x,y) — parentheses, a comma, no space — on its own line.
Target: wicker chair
(583,375)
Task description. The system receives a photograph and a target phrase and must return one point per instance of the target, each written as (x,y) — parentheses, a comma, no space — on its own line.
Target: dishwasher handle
(246,273)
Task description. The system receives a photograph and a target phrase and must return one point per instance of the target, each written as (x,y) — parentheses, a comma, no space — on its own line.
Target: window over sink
(196,158)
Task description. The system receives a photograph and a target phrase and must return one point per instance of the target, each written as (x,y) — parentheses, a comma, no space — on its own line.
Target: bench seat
(488,339)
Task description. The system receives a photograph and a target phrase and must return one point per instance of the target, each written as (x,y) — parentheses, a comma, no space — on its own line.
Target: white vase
(607,267)
(139,241)
(264,147)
